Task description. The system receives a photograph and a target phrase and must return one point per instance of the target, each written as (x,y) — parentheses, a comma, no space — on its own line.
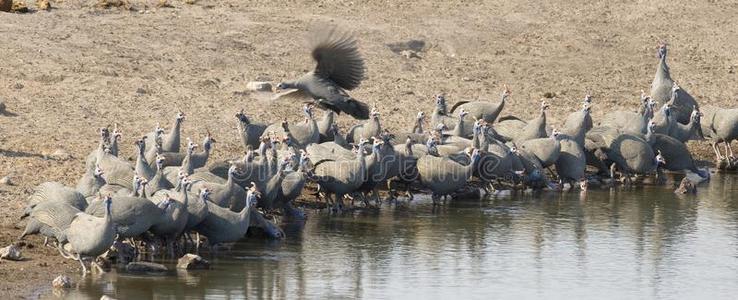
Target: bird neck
(459,130)
(375,126)
(500,106)
(469,169)
(187,163)
(245,213)
(175,127)
(362,162)
(185,195)
(231,181)
(418,127)
(662,71)
(143,192)
(108,212)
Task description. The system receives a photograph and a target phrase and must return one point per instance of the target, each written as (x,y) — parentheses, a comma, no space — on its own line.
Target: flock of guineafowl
(175,198)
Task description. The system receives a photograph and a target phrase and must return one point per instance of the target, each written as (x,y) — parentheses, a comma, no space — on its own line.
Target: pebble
(11,252)
(43,5)
(6,5)
(686,187)
(260,86)
(62,282)
(192,262)
(6,180)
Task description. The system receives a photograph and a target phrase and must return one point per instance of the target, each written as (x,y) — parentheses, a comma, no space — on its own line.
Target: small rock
(140,91)
(686,187)
(192,262)
(20,7)
(146,267)
(6,5)
(6,181)
(11,252)
(60,154)
(62,282)
(260,86)
(2,107)
(43,4)
(18,85)
(164,4)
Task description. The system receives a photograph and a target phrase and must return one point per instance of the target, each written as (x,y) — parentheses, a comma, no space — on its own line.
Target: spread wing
(292,94)
(337,56)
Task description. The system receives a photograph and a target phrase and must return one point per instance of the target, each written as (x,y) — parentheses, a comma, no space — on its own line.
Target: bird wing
(337,56)
(292,94)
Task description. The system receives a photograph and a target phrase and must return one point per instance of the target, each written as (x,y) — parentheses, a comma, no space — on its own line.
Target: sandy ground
(67,71)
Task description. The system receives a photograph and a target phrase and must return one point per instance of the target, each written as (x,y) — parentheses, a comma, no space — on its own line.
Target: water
(640,243)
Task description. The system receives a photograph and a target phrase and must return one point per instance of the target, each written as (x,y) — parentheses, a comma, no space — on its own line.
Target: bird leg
(391,193)
(64,253)
(717,151)
(725,144)
(97,266)
(435,199)
(81,262)
(731,150)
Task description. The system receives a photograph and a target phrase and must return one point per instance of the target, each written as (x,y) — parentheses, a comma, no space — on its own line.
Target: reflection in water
(642,242)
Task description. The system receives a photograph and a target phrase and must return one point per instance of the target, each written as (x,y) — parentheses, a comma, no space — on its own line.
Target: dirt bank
(67,71)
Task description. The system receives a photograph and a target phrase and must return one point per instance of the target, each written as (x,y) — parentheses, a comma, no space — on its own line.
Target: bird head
(588,99)
(506,92)
(660,160)
(205,194)
(233,170)
(98,172)
(662,50)
(583,183)
(242,117)
(375,113)
(285,85)
(158,129)
(440,100)
(334,128)
(208,142)
(308,110)
(420,116)
(555,133)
